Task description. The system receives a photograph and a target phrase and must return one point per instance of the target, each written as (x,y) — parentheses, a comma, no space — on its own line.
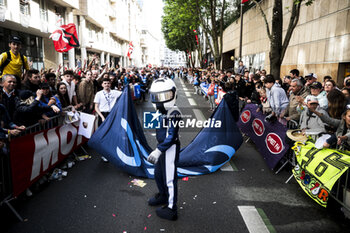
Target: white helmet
(163,93)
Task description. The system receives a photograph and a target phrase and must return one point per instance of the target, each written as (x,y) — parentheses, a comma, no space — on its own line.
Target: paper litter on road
(139,183)
(113,215)
(84,157)
(149,215)
(145,228)
(214,202)
(162,229)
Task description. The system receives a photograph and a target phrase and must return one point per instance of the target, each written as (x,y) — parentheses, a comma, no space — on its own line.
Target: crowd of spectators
(30,96)
(315,105)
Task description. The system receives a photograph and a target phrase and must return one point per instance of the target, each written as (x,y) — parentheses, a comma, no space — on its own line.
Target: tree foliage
(209,17)
(177,26)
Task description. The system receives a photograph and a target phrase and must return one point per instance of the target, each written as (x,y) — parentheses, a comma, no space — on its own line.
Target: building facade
(174,58)
(320,42)
(104,27)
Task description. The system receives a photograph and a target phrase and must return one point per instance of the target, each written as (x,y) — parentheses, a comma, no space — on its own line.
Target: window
(43,16)
(2,2)
(24,7)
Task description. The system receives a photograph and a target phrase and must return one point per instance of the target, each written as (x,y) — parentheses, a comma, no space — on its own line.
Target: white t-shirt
(106,100)
(70,89)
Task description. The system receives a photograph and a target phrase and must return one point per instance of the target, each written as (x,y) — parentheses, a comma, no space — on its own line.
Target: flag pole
(241,34)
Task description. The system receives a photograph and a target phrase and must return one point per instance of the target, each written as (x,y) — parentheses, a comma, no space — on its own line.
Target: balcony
(68,3)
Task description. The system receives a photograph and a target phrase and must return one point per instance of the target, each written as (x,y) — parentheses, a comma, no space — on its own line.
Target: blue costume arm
(172,133)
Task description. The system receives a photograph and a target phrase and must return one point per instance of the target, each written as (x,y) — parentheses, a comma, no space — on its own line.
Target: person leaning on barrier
(298,93)
(28,111)
(310,122)
(8,128)
(342,134)
(9,95)
(276,96)
(62,95)
(49,103)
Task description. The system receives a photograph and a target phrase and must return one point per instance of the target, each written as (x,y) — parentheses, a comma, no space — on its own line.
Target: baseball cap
(347,83)
(312,100)
(15,39)
(310,76)
(316,85)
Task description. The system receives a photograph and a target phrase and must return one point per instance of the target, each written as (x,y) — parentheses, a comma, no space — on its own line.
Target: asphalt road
(97,197)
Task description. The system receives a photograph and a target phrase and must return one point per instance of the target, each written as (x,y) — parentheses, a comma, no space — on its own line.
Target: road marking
(266,220)
(192,102)
(233,166)
(199,115)
(229,167)
(252,219)
(185,89)
(188,94)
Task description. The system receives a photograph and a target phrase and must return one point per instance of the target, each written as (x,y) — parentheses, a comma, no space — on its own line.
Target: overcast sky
(153,10)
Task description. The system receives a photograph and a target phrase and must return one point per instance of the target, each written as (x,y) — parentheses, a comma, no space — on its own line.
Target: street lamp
(233,60)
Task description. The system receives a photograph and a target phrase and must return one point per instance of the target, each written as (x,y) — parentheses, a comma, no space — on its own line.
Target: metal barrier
(5,163)
(340,193)
(341,189)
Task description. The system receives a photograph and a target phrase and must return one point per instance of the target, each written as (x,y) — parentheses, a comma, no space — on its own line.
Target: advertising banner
(33,155)
(268,137)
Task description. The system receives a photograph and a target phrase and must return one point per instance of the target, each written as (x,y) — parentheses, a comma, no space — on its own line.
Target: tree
(177,26)
(211,15)
(278,46)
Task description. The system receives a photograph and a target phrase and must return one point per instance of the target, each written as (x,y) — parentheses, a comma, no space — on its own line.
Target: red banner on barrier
(33,155)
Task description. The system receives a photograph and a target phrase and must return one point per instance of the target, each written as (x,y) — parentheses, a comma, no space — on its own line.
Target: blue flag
(121,140)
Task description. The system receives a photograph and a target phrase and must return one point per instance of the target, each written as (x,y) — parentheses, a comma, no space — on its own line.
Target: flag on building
(130,50)
(196,36)
(65,38)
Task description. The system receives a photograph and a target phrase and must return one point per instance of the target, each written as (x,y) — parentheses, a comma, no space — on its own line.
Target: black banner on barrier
(268,137)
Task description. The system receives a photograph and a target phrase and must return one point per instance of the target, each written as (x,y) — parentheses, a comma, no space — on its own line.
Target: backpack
(8,60)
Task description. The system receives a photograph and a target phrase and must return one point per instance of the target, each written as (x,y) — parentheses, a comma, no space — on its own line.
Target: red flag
(244,1)
(130,50)
(65,38)
(196,36)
